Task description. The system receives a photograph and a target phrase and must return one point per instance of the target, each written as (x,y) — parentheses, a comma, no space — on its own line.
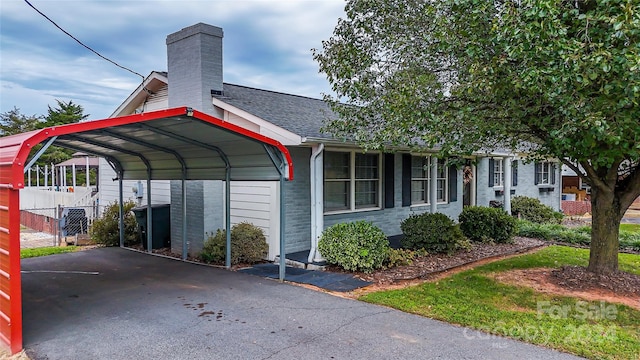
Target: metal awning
(164,143)
(174,144)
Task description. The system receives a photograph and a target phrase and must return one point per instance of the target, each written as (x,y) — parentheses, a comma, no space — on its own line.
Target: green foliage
(402,257)
(354,246)
(13,122)
(105,230)
(436,233)
(248,245)
(532,209)
(628,240)
(480,223)
(554,79)
(46,251)
(64,113)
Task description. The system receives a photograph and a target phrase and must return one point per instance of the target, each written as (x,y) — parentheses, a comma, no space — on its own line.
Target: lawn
(44,251)
(595,330)
(633,228)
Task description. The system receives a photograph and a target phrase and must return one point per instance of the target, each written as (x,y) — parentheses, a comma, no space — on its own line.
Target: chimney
(194,59)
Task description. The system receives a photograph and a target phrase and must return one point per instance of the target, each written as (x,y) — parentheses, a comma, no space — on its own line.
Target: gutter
(317,222)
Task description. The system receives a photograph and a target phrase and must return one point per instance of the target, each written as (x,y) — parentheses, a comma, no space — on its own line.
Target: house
(334,181)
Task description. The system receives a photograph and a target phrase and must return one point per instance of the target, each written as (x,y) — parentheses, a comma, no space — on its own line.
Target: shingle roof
(301,115)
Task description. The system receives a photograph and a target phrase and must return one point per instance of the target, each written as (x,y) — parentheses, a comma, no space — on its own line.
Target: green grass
(632,228)
(45,251)
(629,234)
(474,299)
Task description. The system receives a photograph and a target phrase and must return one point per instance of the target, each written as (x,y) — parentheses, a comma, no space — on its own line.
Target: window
(419,180)
(545,173)
(442,181)
(351,181)
(498,172)
(421,177)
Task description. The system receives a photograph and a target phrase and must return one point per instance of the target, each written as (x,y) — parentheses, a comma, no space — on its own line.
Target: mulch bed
(426,266)
(577,278)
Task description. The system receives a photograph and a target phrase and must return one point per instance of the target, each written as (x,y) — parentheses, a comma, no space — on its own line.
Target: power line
(81,43)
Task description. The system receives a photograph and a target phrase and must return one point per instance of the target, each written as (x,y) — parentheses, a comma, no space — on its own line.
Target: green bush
(354,246)
(105,230)
(629,240)
(402,257)
(436,233)
(533,210)
(248,245)
(487,224)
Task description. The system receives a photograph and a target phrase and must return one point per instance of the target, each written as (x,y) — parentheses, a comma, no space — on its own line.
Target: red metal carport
(174,144)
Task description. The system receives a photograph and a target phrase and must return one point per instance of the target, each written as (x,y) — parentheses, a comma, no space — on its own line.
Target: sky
(267,44)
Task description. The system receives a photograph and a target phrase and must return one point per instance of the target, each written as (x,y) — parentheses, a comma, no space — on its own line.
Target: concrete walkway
(34,239)
(112,303)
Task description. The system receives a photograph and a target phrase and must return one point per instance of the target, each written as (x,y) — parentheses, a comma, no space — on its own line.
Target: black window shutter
(406,179)
(514,173)
(491,172)
(389,172)
(552,170)
(453,184)
(537,173)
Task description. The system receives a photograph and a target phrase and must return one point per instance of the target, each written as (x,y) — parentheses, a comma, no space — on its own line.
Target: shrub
(354,246)
(401,257)
(580,235)
(487,224)
(533,210)
(105,230)
(436,233)
(248,245)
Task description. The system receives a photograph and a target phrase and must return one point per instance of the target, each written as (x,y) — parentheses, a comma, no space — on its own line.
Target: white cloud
(39,64)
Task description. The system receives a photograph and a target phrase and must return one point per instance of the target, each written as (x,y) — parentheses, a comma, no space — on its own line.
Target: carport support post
(121,210)
(282,222)
(184,217)
(227,210)
(149,213)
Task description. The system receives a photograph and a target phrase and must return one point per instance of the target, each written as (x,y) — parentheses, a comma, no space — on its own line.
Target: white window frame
(352,182)
(546,168)
(427,191)
(444,180)
(498,173)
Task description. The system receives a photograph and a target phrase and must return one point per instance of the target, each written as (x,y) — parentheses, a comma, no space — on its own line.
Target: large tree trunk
(603,255)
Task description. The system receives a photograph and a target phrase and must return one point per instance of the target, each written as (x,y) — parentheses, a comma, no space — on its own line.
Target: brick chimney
(194,59)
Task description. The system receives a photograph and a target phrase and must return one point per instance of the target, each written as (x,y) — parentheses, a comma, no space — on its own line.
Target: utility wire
(81,43)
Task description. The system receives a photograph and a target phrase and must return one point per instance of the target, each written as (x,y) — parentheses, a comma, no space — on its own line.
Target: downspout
(317,222)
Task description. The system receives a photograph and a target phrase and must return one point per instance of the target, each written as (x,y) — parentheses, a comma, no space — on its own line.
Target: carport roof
(160,145)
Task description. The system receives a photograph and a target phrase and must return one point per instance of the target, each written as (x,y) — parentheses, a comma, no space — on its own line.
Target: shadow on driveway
(112,303)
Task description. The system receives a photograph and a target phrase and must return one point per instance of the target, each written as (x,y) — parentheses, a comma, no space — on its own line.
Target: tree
(64,113)
(13,122)
(552,78)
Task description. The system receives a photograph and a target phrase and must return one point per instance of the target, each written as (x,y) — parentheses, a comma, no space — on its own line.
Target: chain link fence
(51,226)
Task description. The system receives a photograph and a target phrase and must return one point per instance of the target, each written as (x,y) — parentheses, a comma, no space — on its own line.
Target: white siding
(257,203)
(156,101)
(108,188)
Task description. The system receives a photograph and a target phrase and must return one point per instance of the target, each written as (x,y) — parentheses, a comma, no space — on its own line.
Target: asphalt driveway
(113,303)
